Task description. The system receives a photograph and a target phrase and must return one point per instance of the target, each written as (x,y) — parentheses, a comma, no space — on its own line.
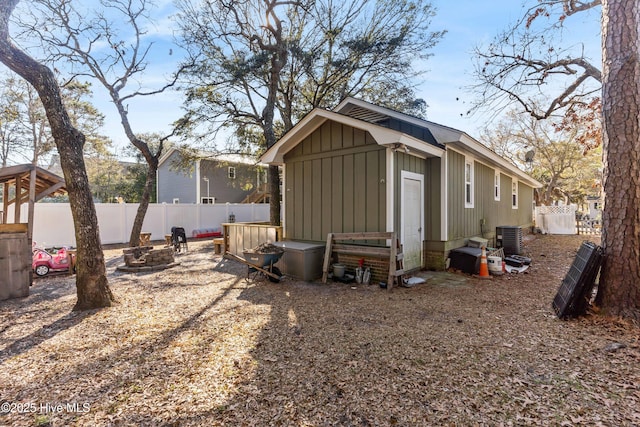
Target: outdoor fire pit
(145,258)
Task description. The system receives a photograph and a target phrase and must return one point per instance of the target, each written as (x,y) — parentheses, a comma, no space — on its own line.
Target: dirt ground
(199,344)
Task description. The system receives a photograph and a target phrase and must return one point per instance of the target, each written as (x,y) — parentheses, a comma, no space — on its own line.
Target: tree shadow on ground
(134,363)
(41,335)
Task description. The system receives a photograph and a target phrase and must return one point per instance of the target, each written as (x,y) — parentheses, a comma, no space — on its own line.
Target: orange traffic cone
(484,268)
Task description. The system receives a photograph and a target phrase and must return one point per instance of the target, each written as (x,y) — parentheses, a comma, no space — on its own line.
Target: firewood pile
(266,248)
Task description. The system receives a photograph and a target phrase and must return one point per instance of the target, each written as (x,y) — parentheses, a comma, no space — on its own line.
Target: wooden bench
(393,253)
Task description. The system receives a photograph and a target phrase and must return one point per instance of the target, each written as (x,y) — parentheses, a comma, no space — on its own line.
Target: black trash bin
(465,259)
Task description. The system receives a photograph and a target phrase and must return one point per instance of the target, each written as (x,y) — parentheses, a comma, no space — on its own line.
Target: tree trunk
(91,280)
(151,159)
(134,239)
(279,58)
(619,291)
(274,195)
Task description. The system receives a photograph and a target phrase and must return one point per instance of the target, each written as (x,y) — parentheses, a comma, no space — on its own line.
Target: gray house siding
(223,188)
(178,182)
(334,182)
(172,184)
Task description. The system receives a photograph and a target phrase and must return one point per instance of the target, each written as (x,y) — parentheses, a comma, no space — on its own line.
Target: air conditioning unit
(510,238)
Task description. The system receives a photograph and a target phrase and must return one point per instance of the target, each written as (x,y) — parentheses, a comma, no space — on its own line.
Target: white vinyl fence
(556,219)
(53,224)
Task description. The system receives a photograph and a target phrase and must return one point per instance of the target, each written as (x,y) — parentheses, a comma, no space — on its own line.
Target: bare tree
(528,61)
(91,280)
(552,156)
(27,135)
(264,64)
(78,35)
(11,131)
(26,127)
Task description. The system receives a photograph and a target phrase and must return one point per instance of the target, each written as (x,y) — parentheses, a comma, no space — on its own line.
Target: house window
(468,183)
(232,172)
(176,201)
(207,200)
(496,186)
(514,193)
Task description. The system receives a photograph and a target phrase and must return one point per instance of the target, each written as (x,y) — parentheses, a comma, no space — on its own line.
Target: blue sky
(444,87)
(470,23)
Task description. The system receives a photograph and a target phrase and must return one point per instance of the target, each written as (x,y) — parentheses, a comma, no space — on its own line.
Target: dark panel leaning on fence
(576,288)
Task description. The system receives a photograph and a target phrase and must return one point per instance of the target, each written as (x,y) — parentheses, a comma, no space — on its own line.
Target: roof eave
(383,136)
(471,144)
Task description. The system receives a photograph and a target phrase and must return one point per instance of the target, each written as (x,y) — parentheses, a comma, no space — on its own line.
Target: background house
(220,179)
(362,167)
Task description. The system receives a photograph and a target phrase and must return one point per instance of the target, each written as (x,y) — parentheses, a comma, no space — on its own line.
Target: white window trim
(207,200)
(176,201)
(514,186)
(470,183)
(231,172)
(496,186)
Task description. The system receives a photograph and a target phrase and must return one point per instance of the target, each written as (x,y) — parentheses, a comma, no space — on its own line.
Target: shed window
(468,183)
(176,201)
(514,193)
(232,172)
(207,200)
(496,186)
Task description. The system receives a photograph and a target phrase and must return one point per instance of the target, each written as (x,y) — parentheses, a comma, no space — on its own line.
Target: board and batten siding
(463,221)
(409,163)
(504,214)
(467,222)
(525,205)
(433,201)
(430,169)
(334,183)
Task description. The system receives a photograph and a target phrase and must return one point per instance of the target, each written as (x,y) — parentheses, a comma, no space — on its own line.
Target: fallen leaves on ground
(199,344)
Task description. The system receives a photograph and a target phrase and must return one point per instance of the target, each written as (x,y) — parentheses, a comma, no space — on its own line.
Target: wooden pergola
(30,184)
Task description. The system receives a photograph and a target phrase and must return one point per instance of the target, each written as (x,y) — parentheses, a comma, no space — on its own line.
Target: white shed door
(412,217)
